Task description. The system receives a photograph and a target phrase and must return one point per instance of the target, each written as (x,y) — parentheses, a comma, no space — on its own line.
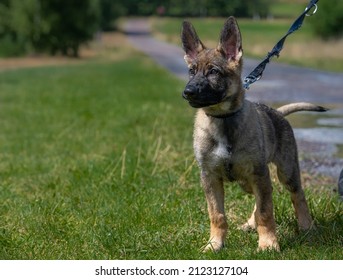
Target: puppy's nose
(189,92)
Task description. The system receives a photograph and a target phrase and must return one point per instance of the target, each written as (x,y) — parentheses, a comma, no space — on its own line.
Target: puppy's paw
(268,244)
(213,246)
(306,224)
(247,226)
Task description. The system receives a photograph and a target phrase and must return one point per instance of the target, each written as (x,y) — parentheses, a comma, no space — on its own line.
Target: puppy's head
(214,74)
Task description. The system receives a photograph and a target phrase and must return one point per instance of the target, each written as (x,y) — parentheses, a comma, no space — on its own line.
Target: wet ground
(320,146)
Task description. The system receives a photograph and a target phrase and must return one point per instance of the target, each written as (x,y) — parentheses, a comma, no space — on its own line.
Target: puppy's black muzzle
(199,97)
(190,92)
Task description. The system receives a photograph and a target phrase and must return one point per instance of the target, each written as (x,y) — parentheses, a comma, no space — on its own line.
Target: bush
(181,8)
(12,43)
(10,46)
(65,25)
(328,21)
(54,26)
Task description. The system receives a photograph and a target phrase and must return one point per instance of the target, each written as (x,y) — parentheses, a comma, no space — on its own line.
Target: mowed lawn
(96,162)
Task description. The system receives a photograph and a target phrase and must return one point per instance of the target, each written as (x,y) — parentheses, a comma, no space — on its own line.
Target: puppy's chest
(221,151)
(215,154)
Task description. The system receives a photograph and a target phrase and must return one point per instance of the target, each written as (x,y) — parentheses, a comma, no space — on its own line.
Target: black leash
(256,74)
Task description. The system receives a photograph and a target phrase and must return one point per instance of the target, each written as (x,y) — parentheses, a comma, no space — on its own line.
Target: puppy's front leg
(214,191)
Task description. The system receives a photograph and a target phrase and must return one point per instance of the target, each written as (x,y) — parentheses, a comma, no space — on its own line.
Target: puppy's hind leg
(289,175)
(251,223)
(264,214)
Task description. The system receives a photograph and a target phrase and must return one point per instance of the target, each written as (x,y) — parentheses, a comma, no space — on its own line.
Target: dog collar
(225,116)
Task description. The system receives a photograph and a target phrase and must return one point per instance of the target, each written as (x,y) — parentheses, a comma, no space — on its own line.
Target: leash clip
(315,10)
(256,74)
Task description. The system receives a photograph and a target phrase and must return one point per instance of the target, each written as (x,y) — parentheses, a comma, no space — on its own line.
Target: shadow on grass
(325,241)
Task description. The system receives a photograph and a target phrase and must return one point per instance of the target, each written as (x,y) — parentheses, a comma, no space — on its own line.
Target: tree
(65,24)
(12,42)
(328,20)
(110,10)
(239,8)
(54,26)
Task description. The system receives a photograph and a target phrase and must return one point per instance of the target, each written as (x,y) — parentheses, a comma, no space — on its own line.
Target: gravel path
(280,84)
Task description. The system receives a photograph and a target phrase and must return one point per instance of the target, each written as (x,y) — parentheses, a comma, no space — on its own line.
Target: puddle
(335,111)
(320,142)
(316,149)
(327,167)
(331,122)
(320,134)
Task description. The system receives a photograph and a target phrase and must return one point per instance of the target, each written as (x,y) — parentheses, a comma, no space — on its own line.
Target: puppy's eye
(191,71)
(214,71)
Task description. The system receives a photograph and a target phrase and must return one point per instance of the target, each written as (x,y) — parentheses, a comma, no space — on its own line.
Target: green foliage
(53,26)
(12,42)
(240,8)
(96,166)
(110,10)
(65,25)
(328,21)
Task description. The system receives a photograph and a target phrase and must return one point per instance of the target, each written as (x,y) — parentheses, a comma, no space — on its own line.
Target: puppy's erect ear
(191,43)
(230,43)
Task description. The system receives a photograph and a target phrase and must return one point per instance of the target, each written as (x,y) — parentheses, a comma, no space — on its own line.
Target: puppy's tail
(301,106)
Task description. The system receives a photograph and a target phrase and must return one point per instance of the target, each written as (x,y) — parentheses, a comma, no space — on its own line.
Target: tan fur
(235,139)
(301,106)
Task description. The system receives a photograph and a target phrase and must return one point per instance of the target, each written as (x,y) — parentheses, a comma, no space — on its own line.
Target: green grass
(96,162)
(287,9)
(209,29)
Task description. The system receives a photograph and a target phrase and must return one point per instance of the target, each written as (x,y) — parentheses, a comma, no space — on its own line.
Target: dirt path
(280,84)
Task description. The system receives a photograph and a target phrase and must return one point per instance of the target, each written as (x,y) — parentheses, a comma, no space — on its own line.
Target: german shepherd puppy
(235,139)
